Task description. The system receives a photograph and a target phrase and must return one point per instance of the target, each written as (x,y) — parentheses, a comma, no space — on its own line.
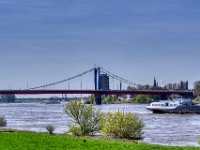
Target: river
(165,129)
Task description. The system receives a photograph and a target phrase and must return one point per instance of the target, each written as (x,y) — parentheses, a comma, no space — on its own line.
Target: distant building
(178,86)
(184,85)
(104,82)
(155,83)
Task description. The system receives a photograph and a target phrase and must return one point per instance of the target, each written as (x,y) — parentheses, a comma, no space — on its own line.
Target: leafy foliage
(91,99)
(3,121)
(110,99)
(197,88)
(75,130)
(197,99)
(143,99)
(50,128)
(85,118)
(121,125)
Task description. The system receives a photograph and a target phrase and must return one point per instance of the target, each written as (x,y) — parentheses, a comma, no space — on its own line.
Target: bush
(121,125)
(50,129)
(3,121)
(197,99)
(85,118)
(143,99)
(75,130)
(110,99)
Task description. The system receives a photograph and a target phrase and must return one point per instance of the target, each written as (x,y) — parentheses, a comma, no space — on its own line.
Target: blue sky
(48,40)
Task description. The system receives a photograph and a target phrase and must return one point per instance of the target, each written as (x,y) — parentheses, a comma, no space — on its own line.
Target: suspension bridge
(101,87)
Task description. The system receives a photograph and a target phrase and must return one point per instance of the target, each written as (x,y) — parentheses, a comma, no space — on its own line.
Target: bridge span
(98,93)
(120,92)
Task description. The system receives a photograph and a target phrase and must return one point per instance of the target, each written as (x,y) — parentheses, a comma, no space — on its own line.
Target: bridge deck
(147,92)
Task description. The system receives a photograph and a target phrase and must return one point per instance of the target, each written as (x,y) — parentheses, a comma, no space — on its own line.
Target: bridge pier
(98,99)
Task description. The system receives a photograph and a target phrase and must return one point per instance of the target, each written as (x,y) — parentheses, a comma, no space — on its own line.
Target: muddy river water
(165,129)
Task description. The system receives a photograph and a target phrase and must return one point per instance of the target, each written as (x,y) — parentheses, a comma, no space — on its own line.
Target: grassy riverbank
(40,141)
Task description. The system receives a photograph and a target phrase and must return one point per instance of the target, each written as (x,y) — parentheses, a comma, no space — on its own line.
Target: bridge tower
(97,84)
(95,78)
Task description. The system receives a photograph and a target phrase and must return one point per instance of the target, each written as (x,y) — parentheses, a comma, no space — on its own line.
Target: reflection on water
(167,129)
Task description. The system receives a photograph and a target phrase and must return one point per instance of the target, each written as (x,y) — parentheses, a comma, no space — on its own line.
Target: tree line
(150,98)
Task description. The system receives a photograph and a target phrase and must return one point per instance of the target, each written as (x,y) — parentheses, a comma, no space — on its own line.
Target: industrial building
(104,82)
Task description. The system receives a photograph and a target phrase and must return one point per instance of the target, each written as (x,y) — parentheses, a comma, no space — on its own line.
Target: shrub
(50,128)
(143,99)
(3,121)
(121,125)
(75,130)
(197,99)
(110,99)
(85,118)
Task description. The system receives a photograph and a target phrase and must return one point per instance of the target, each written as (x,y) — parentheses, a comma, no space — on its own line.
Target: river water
(165,129)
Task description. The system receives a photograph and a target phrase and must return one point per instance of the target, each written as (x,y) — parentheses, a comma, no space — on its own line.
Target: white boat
(50,102)
(174,106)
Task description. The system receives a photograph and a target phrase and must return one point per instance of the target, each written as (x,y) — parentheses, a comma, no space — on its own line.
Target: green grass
(16,140)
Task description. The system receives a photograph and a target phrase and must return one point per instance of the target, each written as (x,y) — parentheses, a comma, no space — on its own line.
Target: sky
(47,40)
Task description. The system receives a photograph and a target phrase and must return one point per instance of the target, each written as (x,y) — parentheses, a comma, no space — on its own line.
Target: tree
(91,99)
(197,88)
(130,88)
(143,99)
(144,87)
(110,99)
(85,118)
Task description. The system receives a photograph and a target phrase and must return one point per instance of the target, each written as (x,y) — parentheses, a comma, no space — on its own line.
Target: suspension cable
(119,78)
(81,74)
(61,81)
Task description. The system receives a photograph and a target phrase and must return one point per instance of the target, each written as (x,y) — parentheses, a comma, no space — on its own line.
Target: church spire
(154,83)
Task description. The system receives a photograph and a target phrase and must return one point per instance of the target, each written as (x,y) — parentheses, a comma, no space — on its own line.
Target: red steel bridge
(43,89)
(106,92)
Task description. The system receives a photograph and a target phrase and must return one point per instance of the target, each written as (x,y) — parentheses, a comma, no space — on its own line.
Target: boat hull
(178,110)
